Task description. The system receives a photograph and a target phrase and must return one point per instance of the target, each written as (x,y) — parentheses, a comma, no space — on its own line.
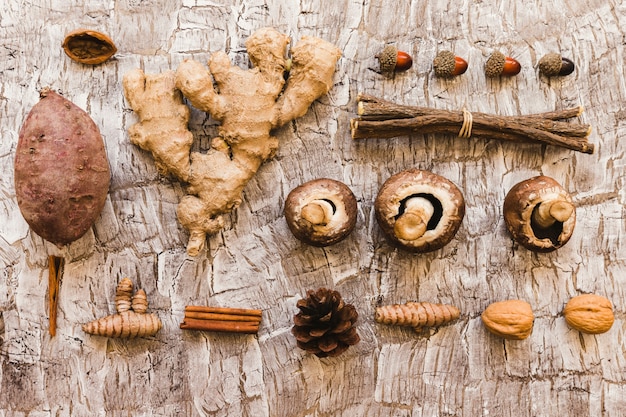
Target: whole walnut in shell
(511,319)
(589,313)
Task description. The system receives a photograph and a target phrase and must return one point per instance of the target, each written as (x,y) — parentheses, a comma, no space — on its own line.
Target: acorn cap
(444,64)
(495,64)
(387,59)
(446,198)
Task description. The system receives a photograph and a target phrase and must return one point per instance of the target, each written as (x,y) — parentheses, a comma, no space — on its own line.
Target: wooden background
(255,262)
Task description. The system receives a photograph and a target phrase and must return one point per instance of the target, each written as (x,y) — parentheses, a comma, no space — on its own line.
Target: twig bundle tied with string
(383,119)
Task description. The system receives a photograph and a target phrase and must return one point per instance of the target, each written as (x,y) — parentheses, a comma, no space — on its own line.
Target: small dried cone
(123,295)
(417,315)
(325,324)
(140,302)
(127,324)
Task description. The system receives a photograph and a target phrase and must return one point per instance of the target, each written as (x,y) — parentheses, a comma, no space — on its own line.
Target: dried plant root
(417,315)
(131,319)
(248,103)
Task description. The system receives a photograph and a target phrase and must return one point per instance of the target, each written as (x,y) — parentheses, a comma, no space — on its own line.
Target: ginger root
(248,103)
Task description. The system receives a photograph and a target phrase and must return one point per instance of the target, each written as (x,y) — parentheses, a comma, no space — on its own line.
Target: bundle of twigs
(221,319)
(383,119)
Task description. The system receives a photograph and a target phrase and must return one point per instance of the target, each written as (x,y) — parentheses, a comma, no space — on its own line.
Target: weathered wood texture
(459,370)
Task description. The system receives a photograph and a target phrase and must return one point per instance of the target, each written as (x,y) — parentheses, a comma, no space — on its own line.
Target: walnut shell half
(88,46)
(419,211)
(589,313)
(511,319)
(321,212)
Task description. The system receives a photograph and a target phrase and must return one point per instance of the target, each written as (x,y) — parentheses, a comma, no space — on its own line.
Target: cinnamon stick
(222,317)
(55,271)
(249,327)
(382,119)
(224,310)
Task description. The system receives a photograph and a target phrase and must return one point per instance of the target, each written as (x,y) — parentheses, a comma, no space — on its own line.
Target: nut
(88,46)
(498,64)
(391,60)
(554,64)
(589,313)
(447,65)
(539,214)
(321,212)
(419,211)
(512,319)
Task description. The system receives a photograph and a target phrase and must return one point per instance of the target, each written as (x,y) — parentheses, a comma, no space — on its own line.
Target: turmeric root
(248,103)
(131,319)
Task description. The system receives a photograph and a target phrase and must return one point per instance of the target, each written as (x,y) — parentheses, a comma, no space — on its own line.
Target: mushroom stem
(552,211)
(411,225)
(318,212)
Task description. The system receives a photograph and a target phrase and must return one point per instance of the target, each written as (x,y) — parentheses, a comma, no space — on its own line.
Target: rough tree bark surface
(255,262)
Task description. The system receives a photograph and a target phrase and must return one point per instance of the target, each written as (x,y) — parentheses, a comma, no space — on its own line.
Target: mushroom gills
(548,217)
(417,214)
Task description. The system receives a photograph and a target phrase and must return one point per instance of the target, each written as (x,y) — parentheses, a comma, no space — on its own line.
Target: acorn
(554,64)
(391,60)
(447,65)
(498,64)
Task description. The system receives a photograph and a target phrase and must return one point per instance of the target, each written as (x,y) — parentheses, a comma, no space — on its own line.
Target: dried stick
(220,326)
(221,319)
(383,119)
(224,310)
(55,272)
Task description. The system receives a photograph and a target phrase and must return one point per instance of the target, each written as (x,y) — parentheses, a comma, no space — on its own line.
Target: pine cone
(325,324)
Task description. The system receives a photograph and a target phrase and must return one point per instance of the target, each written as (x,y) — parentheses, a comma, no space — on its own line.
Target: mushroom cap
(495,64)
(445,196)
(343,217)
(519,204)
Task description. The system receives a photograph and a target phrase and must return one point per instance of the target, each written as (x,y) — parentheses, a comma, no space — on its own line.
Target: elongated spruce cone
(417,315)
(325,324)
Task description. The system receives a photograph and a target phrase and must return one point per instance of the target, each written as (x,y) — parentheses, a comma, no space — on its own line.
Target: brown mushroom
(539,214)
(88,46)
(321,212)
(419,211)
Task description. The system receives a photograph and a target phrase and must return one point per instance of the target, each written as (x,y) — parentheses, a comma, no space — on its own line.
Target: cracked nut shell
(321,212)
(88,46)
(521,203)
(448,208)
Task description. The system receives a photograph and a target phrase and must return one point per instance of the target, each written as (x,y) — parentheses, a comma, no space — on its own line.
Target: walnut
(511,319)
(589,313)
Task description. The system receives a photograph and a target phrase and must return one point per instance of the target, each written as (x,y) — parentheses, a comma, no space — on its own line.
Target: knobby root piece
(249,105)
(131,319)
(55,273)
(382,119)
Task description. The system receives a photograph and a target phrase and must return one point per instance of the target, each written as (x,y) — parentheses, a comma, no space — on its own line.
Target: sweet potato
(62,173)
